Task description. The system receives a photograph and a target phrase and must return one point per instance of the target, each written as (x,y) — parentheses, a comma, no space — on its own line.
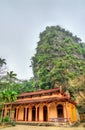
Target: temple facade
(42,106)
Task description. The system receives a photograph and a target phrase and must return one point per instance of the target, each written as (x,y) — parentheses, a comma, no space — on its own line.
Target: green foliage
(6,119)
(2,68)
(27,86)
(11,76)
(59,59)
(8,96)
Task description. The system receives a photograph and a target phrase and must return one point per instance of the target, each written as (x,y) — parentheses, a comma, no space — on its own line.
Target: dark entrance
(15,114)
(45,114)
(60,111)
(27,114)
(24,115)
(33,113)
(38,114)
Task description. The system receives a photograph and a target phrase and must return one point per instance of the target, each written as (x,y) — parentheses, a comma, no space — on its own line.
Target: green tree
(11,76)
(8,96)
(2,68)
(2,62)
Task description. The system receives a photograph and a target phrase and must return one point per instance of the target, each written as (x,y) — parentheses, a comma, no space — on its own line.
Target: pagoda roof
(43,100)
(39,92)
(62,98)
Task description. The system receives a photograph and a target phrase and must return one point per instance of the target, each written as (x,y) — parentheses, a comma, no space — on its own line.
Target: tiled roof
(37,100)
(51,99)
(39,92)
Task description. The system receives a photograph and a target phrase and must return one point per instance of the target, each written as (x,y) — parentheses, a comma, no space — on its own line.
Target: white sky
(21,22)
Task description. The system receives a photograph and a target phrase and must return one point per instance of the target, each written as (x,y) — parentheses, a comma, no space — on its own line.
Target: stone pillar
(25,113)
(17,113)
(41,113)
(48,112)
(66,111)
(30,113)
(36,114)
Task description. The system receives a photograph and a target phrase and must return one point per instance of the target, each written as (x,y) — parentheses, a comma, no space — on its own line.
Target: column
(36,113)
(17,113)
(48,112)
(41,113)
(25,113)
(66,111)
(30,113)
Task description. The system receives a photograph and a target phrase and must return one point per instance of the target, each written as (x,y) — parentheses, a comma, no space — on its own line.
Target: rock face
(59,60)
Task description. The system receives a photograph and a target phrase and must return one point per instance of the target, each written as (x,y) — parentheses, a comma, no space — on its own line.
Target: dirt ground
(25,127)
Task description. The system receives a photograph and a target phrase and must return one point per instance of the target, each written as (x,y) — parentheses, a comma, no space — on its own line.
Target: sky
(21,22)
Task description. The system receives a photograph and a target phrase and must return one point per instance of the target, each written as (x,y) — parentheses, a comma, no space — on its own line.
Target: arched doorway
(45,114)
(60,111)
(33,113)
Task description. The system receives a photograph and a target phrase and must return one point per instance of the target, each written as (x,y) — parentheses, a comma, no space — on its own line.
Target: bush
(6,119)
(13,123)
